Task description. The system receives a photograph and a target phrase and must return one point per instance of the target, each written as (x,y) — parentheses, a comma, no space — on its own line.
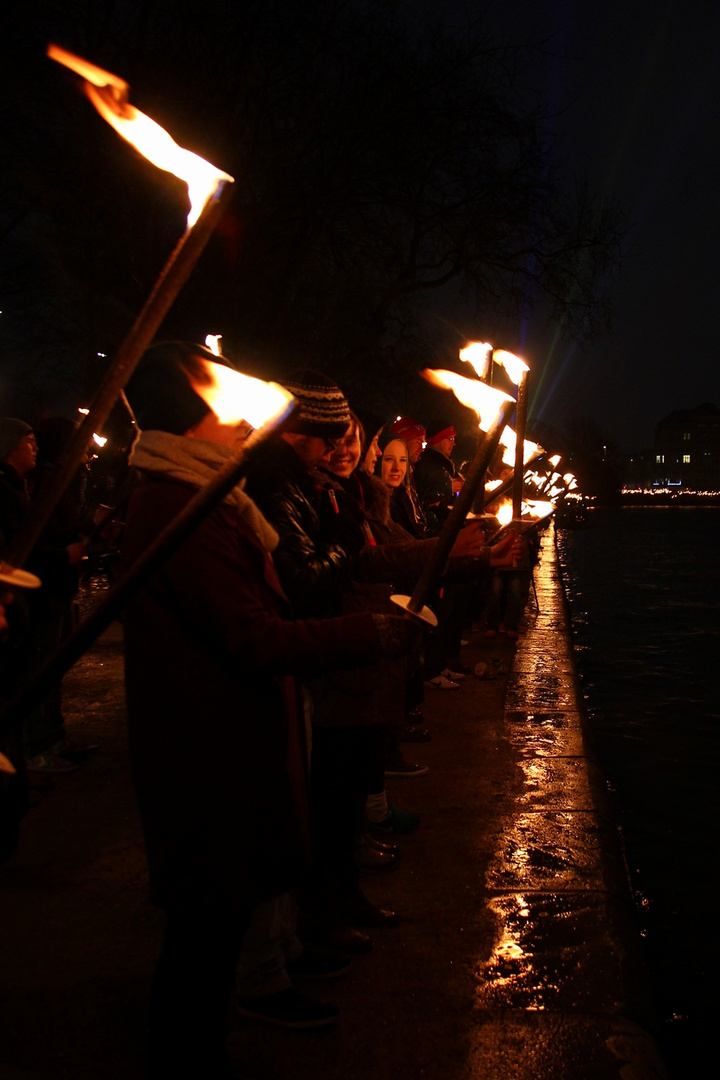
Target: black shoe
(370,859)
(337,936)
(288,1009)
(414,734)
(74,749)
(381,844)
(401,767)
(318,964)
(361,911)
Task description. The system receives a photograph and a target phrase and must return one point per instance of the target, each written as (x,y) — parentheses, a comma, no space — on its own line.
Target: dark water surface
(644,589)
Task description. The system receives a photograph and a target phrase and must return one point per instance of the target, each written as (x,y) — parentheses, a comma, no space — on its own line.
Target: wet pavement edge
(564,991)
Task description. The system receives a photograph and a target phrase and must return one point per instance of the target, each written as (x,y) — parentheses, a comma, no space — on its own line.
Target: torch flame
(108,93)
(504,513)
(539,508)
(555,460)
(99,440)
(212,342)
(478,354)
(484,399)
(509,441)
(514,366)
(233,396)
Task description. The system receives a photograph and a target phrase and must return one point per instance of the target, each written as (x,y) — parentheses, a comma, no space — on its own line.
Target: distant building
(687,450)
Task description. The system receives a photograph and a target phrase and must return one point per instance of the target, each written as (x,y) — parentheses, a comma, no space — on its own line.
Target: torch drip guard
(425,615)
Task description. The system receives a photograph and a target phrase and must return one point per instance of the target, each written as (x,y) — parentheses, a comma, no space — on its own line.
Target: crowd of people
(272,684)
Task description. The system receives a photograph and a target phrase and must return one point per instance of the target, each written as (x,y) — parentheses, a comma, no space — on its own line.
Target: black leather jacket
(434,474)
(317,544)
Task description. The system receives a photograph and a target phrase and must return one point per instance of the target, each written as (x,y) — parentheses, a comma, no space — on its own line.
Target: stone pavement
(515,958)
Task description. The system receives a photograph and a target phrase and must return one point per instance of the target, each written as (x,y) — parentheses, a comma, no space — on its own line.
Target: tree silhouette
(380,158)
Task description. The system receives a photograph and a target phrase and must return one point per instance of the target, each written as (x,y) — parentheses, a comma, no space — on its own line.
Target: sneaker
(49,763)
(318,964)
(288,1009)
(454,676)
(395,821)
(406,768)
(441,682)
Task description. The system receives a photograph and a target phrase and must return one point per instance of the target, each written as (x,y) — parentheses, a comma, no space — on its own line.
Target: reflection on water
(644,587)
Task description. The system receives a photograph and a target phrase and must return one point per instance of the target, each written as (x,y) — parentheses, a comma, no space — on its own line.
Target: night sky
(630,92)
(633,93)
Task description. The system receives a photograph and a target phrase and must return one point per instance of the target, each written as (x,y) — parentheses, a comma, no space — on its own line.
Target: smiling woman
(395,463)
(346,455)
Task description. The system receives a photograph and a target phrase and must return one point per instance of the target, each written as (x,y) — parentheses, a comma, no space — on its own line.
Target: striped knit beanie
(322,409)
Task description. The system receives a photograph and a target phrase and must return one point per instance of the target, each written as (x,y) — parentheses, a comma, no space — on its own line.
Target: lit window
(686,459)
(659,459)
(686,435)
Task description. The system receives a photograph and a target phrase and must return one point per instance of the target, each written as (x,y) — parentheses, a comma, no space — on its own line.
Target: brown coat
(215,745)
(374,694)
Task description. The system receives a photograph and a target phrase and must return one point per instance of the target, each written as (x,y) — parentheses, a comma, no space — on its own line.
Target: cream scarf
(195,462)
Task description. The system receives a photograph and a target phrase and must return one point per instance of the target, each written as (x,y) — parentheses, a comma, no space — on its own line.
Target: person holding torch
(216,740)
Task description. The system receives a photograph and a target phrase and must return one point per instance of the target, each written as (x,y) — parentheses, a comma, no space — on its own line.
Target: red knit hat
(446,433)
(407,428)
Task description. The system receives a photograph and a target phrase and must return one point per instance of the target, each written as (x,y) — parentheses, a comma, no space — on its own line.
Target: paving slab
(514,958)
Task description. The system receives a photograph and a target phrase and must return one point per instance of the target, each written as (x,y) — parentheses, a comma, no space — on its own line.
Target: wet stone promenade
(516,955)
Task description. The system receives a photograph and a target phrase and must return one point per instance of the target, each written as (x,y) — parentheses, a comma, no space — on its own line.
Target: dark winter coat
(373,694)
(317,546)
(433,476)
(214,735)
(323,546)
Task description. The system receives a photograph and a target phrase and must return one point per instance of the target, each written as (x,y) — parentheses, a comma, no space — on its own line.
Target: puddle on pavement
(555,735)
(542,692)
(555,783)
(552,952)
(540,663)
(548,850)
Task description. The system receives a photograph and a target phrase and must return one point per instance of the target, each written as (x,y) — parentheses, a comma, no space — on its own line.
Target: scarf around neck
(196,462)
